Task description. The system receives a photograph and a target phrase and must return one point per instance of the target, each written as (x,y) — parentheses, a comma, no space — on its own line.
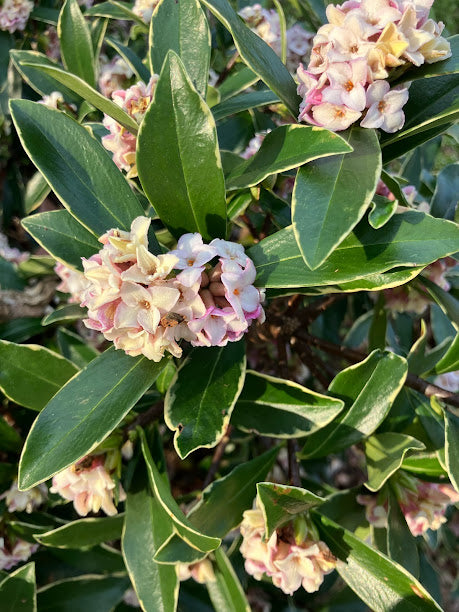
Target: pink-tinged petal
(334,117)
(249,299)
(190,276)
(355,98)
(125,316)
(132,294)
(376,91)
(393,122)
(373,119)
(163,297)
(149,319)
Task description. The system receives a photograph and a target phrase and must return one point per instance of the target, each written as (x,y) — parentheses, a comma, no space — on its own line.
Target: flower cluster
(288,562)
(14,14)
(266,24)
(119,141)
(14,552)
(72,281)
(144,9)
(113,74)
(18,501)
(145,303)
(355,52)
(89,486)
(423,504)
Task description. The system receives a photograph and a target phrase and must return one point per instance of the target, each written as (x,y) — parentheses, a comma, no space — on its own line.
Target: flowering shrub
(228,305)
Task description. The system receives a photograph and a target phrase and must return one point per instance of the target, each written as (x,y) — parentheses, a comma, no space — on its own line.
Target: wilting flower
(72,281)
(288,562)
(14,552)
(114,74)
(14,14)
(201,571)
(89,486)
(18,501)
(145,8)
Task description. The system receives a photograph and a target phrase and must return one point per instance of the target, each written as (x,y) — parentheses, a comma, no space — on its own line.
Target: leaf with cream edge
(368,390)
(202,395)
(178,139)
(244,101)
(331,196)
(73,423)
(408,239)
(162,492)
(226,592)
(385,453)
(452,447)
(18,592)
(285,148)
(77,167)
(281,503)
(183,27)
(46,373)
(75,42)
(281,408)
(83,533)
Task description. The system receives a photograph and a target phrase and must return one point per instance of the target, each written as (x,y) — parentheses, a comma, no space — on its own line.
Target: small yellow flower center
(145,304)
(349,86)
(236,292)
(381,106)
(339,114)
(190,262)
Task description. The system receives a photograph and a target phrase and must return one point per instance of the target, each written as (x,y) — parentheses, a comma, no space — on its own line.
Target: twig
(314,310)
(218,456)
(293,467)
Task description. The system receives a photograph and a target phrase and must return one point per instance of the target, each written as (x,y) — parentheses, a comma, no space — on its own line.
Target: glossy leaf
(226,592)
(115,10)
(75,42)
(73,423)
(285,148)
(84,533)
(452,447)
(67,313)
(59,233)
(281,408)
(257,54)
(244,101)
(408,239)
(444,199)
(331,196)
(224,501)
(10,440)
(447,302)
(46,372)
(178,158)
(73,347)
(76,166)
(175,550)
(385,453)
(424,465)
(239,79)
(133,60)
(10,279)
(91,592)
(20,330)
(381,210)
(368,390)
(382,584)
(36,191)
(183,27)
(182,525)
(18,590)
(450,360)
(281,503)
(147,526)
(401,545)
(202,395)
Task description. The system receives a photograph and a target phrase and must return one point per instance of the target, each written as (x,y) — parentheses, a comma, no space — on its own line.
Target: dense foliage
(228,305)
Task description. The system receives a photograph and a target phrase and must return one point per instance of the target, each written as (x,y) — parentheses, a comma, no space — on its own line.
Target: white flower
(192,256)
(14,14)
(12,554)
(18,501)
(385,107)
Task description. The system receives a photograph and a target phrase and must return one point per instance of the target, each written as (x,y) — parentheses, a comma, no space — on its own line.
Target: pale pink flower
(201,572)
(377,13)
(232,251)
(350,40)
(240,292)
(145,8)
(13,553)
(334,117)
(113,75)
(9,253)
(54,99)
(217,327)
(375,509)
(18,501)
(53,48)
(385,107)
(72,281)
(437,48)
(347,84)
(192,255)
(14,14)
(89,486)
(449,381)
(416,37)
(254,145)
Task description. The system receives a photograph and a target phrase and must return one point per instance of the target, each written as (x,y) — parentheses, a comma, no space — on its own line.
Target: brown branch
(218,456)
(314,310)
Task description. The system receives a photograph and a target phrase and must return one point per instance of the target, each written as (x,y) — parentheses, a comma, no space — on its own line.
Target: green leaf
(201,398)
(393,184)
(46,372)
(244,101)
(226,592)
(183,27)
(452,447)
(84,533)
(185,188)
(239,79)
(447,302)
(75,42)
(133,60)
(85,91)
(10,440)
(20,330)
(382,584)
(450,360)
(285,148)
(10,280)
(175,550)
(444,199)
(37,190)
(416,139)
(281,408)
(182,525)
(69,312)
(45,14)
(331,196)
(381,210)
(224,501)
(42,83)
(257,54)
(385,453)
(368,390)
(76,166)
(89,593)
(74,422)
(62,236)
(401,545)
(424,465)
(147,525)
(73,347)
(408,239)
(115,10)
(281,503)
(18,590)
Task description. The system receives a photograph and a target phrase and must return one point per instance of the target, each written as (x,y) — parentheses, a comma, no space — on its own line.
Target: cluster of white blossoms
(288,562)
(144,9)
(89,486)
(14,551)
(20,501)
(145,303)
(72,281)
(14,14)
(113,74)
(356,51)
(423,503)
(266,24)
(134,101)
